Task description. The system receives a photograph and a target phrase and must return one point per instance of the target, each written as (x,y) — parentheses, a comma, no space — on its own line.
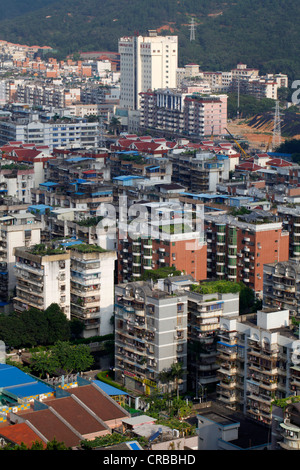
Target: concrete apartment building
(282,286)
(77,134)
(201,171)
(20,229)
(150,336)
(182,112)
(165,236)
(92,288)
(183,251)
(204,313)
(237,251)
(146,63)
(290,218)
(258,362)
(81,196)
(43,278)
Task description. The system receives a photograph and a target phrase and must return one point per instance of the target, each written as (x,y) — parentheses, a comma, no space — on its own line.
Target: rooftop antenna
(192,30)
(277,127)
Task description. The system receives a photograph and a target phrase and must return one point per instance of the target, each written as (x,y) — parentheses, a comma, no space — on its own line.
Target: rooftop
(250,434)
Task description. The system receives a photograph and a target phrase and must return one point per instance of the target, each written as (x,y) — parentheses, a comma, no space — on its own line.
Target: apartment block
(237,251)
(86,196)
(77,133)
(258,362)
(163,243)
(150,336)
(21,229)
(290,218)
(92,288)
(182,112)
(285,425)
(200,172)
(204,313)
(43,278)
(146,63)
(282,286)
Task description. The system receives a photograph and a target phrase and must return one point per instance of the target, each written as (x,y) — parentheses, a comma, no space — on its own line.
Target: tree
(115,125)
(56,445)
(173,374)
(177,372)
(72,358)
(58,324)
(76,327)
(35,326)
(44,363)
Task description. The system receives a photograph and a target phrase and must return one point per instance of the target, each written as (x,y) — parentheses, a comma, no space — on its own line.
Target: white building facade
(146,63)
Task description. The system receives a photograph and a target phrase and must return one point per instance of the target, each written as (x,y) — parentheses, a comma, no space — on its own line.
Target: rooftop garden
(176,228)
(45,250)
(213,287)
(132,158)
(86,248)
(89,221)
(248,303)
(160,273)
(15,166)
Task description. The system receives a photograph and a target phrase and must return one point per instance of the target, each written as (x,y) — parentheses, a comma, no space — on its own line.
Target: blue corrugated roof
(78,159)
(20,384)
(12,376)
(109,389)
(30,390)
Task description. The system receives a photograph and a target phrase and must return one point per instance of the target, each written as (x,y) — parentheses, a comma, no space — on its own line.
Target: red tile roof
(99,403)
(278,162)
(248,166)
(21,433)
(51,427)
(76,415)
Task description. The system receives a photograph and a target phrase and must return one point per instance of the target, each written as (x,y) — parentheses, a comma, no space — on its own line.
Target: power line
(277,127)
(192,30)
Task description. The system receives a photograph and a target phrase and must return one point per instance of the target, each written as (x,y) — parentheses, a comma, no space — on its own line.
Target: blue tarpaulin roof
(39,207)
(72,242)
(127,177)
(48,183)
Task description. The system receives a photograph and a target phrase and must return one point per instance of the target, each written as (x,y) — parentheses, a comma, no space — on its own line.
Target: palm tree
(177,372)
(165,377)
(115,125)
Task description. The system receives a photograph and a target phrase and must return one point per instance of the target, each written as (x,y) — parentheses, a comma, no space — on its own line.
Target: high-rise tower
(146,63)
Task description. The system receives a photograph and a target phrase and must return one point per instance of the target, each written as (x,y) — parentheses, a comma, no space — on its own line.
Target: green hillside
(15,8)
(263,34)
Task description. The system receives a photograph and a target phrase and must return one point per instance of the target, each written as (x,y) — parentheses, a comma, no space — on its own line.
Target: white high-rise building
(146,63)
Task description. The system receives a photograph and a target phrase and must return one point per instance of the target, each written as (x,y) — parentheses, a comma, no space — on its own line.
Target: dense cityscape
(149,253)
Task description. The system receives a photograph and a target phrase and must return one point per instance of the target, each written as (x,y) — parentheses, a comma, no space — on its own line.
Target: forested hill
(261,33)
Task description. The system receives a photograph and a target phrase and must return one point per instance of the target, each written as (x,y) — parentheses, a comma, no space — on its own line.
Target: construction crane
(268,144)
(239,146)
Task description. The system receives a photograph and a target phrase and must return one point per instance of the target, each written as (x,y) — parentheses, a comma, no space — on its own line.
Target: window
(27,234)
